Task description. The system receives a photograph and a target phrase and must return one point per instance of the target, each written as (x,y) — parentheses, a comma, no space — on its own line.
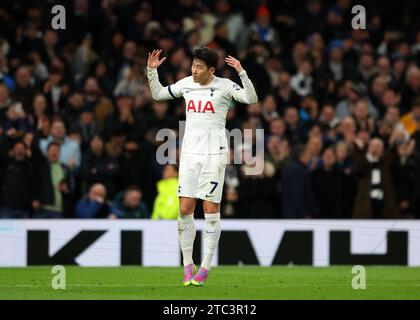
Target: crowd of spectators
(340,107)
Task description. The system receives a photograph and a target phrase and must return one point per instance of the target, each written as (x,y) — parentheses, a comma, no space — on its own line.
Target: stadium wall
(243,242)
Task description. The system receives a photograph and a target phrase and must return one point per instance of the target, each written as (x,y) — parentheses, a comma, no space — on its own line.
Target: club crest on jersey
(207,107)
(212,92)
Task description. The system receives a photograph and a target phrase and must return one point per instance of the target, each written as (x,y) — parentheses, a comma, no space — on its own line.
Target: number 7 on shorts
(215,184)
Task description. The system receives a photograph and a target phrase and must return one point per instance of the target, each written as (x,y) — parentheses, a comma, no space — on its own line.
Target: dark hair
(220,23)
(298,152)
(416,103)
(58,119)
(207,55)
(52,144)
(19,141)
(290,107)
(133,187)
(96,135)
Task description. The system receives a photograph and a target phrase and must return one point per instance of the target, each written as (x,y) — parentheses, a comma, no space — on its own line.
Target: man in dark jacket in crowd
(297,197)
(328,187)
(99,167)
(52,186)
(407,180)
(15,183)
(126,118)
(375,167)
(136,169)
(129,204)
(258,193)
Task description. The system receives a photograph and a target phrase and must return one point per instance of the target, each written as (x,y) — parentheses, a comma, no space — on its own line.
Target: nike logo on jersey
(192,107)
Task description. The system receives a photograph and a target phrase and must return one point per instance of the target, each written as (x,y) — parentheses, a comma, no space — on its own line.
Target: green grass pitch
(247,282)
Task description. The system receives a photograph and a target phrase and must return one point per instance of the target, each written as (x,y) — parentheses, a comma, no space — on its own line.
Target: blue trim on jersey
(170,92)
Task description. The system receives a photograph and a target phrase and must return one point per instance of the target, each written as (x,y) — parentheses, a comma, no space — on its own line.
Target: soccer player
(204,148)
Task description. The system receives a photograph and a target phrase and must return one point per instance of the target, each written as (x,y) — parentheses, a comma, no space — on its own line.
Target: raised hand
(359,143)
(153,60)
(234,63)
(407,148)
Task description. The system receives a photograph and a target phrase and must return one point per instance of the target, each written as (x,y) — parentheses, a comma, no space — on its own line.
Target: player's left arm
(159,92)
(246,95)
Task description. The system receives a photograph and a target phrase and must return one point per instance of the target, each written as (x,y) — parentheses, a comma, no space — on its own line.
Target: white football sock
(211,237)
(186,235)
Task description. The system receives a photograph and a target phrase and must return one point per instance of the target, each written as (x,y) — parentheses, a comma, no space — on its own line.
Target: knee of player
(186,211)
(186,208)
(210,207)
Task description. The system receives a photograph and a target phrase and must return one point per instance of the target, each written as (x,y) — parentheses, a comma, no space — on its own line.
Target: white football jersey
(206,109)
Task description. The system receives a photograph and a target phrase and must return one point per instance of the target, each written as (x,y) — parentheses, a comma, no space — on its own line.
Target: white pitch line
(219,286)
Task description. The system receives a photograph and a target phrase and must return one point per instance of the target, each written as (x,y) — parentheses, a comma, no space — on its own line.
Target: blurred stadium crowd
(340,107)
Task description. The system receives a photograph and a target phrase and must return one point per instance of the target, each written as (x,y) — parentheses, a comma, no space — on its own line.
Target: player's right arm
(247,94)
(159,92)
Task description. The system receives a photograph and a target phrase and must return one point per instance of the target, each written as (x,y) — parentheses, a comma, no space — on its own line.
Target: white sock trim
(186,217)
(212,216)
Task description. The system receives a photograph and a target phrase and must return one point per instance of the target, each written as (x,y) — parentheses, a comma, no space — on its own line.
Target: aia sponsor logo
(201,106)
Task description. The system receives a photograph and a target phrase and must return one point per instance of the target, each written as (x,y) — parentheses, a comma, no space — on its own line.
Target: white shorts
(202,176)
